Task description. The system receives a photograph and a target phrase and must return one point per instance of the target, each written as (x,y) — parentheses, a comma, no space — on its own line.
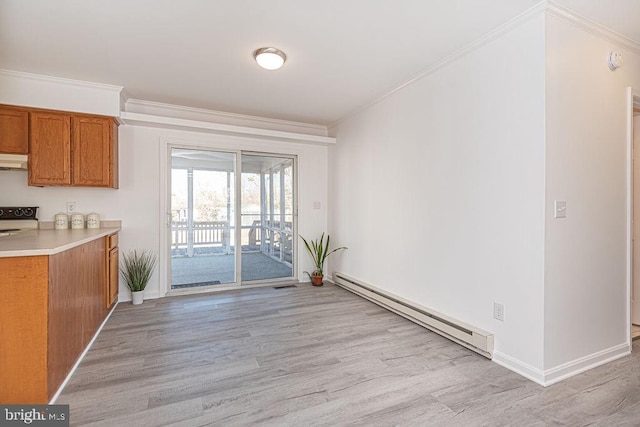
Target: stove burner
(17,219)
(8,213)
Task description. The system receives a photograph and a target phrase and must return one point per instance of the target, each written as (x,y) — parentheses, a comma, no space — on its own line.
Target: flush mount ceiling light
(269,58)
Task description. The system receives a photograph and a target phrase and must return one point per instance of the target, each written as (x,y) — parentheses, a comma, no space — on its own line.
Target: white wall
(312,179)
(137,202)
(34,90)
(586,146)
(438,190)
(635,293)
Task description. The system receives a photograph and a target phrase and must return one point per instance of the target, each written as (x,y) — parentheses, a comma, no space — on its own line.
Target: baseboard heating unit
(469,336)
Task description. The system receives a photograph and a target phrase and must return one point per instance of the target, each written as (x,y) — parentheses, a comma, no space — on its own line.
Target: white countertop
(49,242)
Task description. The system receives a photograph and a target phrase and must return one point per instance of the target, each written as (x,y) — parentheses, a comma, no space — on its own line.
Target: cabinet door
(14,131)
(92,148)
(114,272)
(50,149)
(23,330)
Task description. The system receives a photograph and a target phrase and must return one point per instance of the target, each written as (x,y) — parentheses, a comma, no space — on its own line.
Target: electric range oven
(14,220)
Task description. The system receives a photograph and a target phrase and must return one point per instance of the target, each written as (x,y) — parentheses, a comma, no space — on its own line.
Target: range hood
(13,162)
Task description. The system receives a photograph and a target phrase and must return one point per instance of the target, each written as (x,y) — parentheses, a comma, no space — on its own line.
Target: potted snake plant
(136,270)
(319,251)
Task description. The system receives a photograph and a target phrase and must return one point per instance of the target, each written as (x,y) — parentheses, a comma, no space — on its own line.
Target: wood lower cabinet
(23,329)
(113,270)
(51,308)
(14,131)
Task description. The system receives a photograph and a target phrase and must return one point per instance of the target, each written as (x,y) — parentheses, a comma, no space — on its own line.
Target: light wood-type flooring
(305,356)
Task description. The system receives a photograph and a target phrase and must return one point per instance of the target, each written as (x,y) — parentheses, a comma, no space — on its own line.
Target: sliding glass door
(203,217)
(267,214)
(207,201)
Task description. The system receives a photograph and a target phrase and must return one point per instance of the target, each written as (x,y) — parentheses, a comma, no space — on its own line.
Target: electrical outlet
(71,207)
(498,311)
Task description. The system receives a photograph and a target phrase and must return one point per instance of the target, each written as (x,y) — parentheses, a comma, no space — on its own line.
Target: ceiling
(341,54)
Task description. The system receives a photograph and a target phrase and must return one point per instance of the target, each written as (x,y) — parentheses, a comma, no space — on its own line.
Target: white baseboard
(515,365)
(551,376)
(583,364)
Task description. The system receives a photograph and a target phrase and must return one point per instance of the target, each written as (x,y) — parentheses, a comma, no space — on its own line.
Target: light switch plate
(498,311)
(560,209)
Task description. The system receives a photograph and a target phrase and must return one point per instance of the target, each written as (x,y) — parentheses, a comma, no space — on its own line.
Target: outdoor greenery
(319,251)
(137,268)
(210,193)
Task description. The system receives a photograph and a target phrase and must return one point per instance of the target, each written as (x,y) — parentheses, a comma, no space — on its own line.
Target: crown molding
(514,22)
(163,122)
(550,8)
(592,27)
(124,96)
(202,114)
(61,80)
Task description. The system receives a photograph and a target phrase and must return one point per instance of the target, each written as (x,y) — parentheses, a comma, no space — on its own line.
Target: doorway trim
(229,144)
(633,98)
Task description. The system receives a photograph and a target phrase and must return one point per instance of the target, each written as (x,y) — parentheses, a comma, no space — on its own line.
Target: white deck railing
(203,233)
(271,239)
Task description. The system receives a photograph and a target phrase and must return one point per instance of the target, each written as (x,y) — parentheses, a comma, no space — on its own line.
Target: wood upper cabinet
(14,131)
(50,149)
(95,149)
(73,149)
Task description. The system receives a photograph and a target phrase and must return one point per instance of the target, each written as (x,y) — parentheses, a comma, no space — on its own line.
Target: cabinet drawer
(113,241)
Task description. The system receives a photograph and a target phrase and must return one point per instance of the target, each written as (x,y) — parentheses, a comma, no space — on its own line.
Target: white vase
(137,297)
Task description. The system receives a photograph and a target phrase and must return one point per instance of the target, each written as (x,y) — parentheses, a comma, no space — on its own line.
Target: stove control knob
(28,212)
(18,212)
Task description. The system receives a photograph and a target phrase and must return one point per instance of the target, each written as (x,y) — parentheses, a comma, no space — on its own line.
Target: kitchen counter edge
(49,242)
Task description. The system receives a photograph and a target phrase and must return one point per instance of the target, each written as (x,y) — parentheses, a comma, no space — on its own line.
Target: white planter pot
(137,297)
